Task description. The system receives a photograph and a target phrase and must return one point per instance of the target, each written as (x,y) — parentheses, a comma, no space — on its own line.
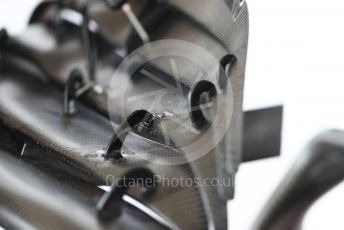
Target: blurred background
(295,58)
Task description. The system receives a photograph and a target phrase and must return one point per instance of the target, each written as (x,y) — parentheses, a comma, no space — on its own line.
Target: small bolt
(98,89)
